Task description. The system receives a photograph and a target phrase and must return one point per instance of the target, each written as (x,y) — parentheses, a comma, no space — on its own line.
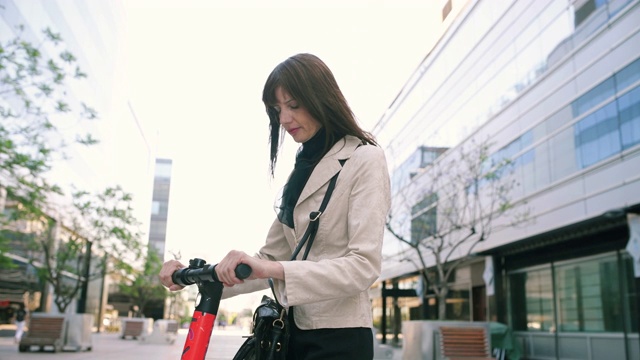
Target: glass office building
(554,85)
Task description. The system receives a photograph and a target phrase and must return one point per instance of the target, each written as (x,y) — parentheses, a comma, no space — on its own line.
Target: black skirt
(334,344)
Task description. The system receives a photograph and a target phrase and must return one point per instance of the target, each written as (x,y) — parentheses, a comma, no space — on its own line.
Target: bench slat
(464,343)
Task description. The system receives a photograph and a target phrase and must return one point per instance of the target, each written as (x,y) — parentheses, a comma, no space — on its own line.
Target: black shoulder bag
(270,328)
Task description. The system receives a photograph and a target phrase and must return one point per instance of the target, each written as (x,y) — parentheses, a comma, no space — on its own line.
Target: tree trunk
(442,303)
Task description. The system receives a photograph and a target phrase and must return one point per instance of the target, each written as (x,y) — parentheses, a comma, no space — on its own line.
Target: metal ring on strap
(315,215)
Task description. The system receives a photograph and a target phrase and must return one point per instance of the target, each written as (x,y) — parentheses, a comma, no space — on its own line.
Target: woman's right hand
(168,268)
(260,268)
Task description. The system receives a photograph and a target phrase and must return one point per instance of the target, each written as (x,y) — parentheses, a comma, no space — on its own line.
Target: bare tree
(448,207)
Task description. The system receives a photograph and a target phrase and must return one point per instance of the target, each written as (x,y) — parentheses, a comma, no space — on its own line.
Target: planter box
(164,332)
(78,332)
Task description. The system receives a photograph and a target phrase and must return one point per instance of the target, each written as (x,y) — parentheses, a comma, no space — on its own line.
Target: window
(412,166)
(589,296)
(424,218)
(595,294)
(532,300)
(585,8)
(593,97)
(628,76)
(612,127)
(597,136)
(629,109)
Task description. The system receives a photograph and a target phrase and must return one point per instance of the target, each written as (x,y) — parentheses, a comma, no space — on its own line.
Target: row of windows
(608,126)
(523,58)
(609,130)
(584,295)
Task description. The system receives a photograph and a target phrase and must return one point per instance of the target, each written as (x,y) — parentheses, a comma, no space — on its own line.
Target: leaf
(67,57)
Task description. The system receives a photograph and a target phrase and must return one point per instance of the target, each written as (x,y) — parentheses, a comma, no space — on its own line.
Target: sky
(196,71)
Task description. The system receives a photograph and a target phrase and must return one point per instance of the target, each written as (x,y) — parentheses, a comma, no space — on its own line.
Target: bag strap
(314,216)
(312,229)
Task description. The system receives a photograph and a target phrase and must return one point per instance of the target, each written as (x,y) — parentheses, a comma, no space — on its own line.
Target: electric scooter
(209,295)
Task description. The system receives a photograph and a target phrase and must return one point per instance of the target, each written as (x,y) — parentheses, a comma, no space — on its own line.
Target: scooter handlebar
(199,270)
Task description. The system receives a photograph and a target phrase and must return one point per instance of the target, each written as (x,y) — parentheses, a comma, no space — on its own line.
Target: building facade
(554,87)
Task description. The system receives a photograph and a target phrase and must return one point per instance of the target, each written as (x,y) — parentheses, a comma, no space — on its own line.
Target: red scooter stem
(204,315)
(202,322)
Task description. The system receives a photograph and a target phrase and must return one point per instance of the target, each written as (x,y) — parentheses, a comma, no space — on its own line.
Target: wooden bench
(43,331)
(132,328)
(464,343)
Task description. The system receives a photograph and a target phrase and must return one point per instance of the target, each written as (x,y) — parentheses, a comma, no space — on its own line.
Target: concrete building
(553,86)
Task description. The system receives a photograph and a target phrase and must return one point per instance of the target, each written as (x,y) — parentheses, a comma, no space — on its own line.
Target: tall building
(160,205)
(554,86)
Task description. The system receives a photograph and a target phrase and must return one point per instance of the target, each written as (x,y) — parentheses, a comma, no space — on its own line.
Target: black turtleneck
(307,158)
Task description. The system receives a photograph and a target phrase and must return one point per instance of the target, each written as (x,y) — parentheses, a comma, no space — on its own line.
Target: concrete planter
(78,332)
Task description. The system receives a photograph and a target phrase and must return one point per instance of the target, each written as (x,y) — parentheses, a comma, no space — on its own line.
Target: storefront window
(458,305)
(582,295)
(589,296)
(532,300)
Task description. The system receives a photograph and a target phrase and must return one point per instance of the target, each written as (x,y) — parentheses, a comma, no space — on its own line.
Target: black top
(307,158)
(20,314)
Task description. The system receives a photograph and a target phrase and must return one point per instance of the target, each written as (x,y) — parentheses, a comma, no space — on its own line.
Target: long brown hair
(310,82)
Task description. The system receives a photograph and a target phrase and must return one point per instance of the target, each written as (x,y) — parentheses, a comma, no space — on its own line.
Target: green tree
(64,250)
(33,100)
(145,287)
(449,207)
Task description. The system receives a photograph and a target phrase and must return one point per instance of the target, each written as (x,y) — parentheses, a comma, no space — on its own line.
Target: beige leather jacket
(330,288)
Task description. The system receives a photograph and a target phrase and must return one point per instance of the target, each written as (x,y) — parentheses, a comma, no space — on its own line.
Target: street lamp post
(82,302)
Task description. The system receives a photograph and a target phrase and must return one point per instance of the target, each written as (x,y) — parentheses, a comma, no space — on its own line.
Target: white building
(555,86)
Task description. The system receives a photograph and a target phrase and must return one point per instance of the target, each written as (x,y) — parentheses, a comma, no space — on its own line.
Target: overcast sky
(196,71)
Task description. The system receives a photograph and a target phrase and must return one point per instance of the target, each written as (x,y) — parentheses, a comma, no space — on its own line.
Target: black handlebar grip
(204,272)
(243,271)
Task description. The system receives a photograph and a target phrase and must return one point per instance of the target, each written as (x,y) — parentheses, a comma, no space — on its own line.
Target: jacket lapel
(329,165)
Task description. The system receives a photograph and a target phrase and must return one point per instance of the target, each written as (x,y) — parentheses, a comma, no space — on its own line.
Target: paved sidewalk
(109,346)
(223,346)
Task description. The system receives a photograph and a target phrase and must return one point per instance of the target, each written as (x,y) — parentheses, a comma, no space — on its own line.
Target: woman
(328,292)
(20,319)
